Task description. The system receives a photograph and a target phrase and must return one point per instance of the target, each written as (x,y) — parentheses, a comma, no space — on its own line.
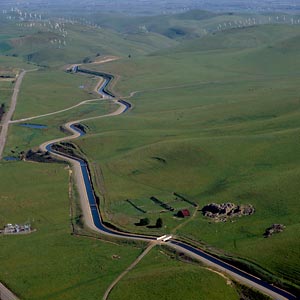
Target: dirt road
(7,117)
(114,283)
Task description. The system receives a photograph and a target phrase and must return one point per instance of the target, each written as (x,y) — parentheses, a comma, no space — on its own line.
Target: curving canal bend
(94,221)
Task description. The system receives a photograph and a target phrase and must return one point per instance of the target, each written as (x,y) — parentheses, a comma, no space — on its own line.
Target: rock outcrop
(223,211)
(275,228)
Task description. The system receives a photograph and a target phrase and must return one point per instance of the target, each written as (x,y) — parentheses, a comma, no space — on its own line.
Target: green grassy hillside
(51,263)
(241,38)
(45,91)
(41,46)
(6,90)
(188,25)
(157,24)
(44,44)
(224,125)
(215,118)
(158,272)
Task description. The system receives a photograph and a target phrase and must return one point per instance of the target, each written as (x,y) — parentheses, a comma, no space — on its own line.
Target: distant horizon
(148,7)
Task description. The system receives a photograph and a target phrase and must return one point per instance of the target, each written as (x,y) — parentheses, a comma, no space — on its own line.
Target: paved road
(7,117)
(232,271)
(93,219)
(6,294)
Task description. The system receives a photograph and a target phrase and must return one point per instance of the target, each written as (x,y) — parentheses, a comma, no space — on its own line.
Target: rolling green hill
(224,125)
(121,35)
(158,24)
(242,38)
(215,118)
(40,46)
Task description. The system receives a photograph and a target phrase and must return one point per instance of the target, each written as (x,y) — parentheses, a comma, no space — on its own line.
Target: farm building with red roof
(183,213)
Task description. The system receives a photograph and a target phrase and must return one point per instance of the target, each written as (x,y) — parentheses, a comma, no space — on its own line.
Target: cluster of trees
(146,222)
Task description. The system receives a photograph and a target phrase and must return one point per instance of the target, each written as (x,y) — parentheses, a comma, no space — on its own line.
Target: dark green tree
(159,223)
(144,222)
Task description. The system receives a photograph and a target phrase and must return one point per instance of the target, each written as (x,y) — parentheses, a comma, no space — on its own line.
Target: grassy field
(6,88)
(49,91)
(216,119)
(11,66)
(159,276)
(45,91)
(229,134)
(23,138)
(53,264)
(14,62)
(50,263)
